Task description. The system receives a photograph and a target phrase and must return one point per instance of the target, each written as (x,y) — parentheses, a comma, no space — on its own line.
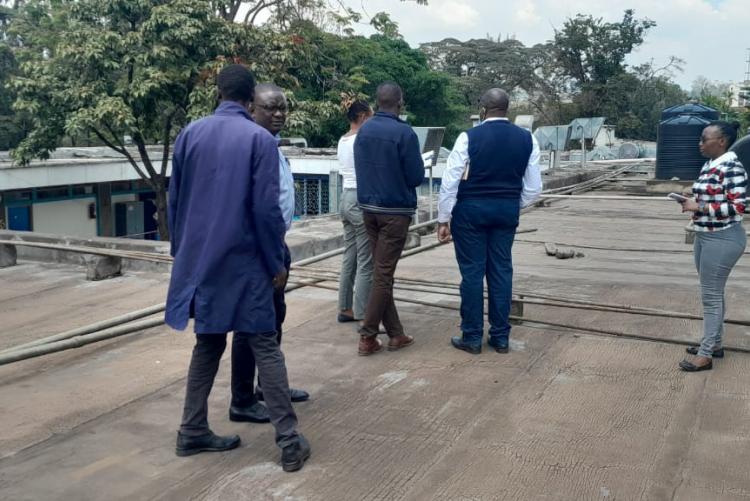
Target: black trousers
(271,366)
(243,359)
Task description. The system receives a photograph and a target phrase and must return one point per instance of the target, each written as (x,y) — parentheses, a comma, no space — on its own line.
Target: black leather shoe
(499,346)
(693,350)
(296,395)
(345,318)
(256,413)
(210,442)
(458,343)
(293,456)
(689,366)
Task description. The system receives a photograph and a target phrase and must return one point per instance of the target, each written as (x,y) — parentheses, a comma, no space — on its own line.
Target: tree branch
(122,150)
(165,147)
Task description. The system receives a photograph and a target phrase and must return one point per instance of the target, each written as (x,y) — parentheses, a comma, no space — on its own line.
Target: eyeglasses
(707,139)
(273,108)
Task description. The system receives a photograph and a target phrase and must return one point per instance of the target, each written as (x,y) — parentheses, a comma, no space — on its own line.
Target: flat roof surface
(568,414)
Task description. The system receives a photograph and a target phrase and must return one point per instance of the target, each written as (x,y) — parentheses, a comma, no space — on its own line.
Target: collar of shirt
(232,108)
(493,119)
(729,156)
(277,137)
(387,114)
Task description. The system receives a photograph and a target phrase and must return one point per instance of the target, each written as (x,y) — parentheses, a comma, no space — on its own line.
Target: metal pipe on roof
(87,329)
(340,250)
(78,341)
(76,338)
(527,321)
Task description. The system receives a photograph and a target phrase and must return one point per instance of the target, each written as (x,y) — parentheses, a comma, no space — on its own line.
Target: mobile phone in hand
(677,198)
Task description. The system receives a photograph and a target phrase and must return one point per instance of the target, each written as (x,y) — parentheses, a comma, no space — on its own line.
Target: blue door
(19,218)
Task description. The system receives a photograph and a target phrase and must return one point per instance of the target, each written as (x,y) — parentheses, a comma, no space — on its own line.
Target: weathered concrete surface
(8,255)
(566,415)
(103,267)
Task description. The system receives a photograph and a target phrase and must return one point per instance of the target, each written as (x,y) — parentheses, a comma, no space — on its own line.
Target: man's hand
(279,281)
(443,232)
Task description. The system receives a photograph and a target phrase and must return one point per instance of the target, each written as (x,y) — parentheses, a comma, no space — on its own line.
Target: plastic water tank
(628,150)
(677,153)
(742,149)
(690,109)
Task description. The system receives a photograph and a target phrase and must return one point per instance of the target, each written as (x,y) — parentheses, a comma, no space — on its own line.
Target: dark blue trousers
(483,232)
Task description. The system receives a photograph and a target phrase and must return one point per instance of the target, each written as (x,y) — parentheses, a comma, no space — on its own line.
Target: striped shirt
(720,193)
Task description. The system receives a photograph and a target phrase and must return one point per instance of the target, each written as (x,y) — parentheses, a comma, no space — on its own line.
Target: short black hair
(356,109)
(389,95)
(728,130)
(236,83)
(495,99)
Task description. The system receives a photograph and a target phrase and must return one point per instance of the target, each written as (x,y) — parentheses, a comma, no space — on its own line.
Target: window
(18,196)
(52,193)
(82,190)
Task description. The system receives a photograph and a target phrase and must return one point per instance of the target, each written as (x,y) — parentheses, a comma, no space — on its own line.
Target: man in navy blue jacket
(389,167)
(492,172)
(227,236)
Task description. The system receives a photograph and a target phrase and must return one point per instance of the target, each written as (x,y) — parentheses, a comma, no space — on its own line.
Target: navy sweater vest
(499,152)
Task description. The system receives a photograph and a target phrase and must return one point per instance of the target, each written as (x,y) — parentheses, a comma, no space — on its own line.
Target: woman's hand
(690,205)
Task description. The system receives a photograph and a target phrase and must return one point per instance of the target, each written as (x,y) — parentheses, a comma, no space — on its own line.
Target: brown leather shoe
(369,345)
(400,341)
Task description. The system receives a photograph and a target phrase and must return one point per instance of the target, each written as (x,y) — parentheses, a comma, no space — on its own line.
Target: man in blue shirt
(389,166)
(492,172)
(227,239)
(269,110)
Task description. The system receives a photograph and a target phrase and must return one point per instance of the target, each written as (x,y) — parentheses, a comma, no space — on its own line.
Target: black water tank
(677,153)
(742,150)
(690,109)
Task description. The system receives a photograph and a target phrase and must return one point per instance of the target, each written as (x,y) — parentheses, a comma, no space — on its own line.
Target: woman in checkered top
(718,206)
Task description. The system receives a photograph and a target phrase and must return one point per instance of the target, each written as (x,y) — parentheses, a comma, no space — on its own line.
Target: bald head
(267,88)
(495,103)
(269,108)
(390,97)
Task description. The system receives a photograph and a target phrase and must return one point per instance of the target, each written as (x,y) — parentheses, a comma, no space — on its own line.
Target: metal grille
(311,195)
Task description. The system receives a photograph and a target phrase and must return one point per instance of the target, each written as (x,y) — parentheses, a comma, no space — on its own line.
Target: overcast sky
(712,36)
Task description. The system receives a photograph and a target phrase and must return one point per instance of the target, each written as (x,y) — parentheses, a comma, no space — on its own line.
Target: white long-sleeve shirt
(532,178)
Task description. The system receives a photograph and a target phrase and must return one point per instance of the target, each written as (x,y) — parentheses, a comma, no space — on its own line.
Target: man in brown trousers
(389,167)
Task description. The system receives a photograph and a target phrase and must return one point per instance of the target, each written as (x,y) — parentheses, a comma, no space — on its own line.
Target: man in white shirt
(493,171)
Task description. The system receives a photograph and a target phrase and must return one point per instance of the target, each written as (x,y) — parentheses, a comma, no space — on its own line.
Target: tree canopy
(132,71)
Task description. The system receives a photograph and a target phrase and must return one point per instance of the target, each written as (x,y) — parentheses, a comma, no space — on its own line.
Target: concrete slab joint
(103,267)
(8,255)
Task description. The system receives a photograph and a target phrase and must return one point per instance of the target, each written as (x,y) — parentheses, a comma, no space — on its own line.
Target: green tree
(592,51)
(633,101)
(331,65)
(114,69)
(481,64)
(11,124)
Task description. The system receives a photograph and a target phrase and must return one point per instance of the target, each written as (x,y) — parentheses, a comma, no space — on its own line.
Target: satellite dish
(628,151)
(742,149)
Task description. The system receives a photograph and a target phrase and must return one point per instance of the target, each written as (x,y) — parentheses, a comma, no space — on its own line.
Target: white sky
(712,36)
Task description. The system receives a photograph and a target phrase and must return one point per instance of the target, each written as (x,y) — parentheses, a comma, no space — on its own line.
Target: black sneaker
(293,456)
(210,442)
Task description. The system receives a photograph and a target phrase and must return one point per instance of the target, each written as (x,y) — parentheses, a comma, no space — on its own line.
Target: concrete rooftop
(567,415)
